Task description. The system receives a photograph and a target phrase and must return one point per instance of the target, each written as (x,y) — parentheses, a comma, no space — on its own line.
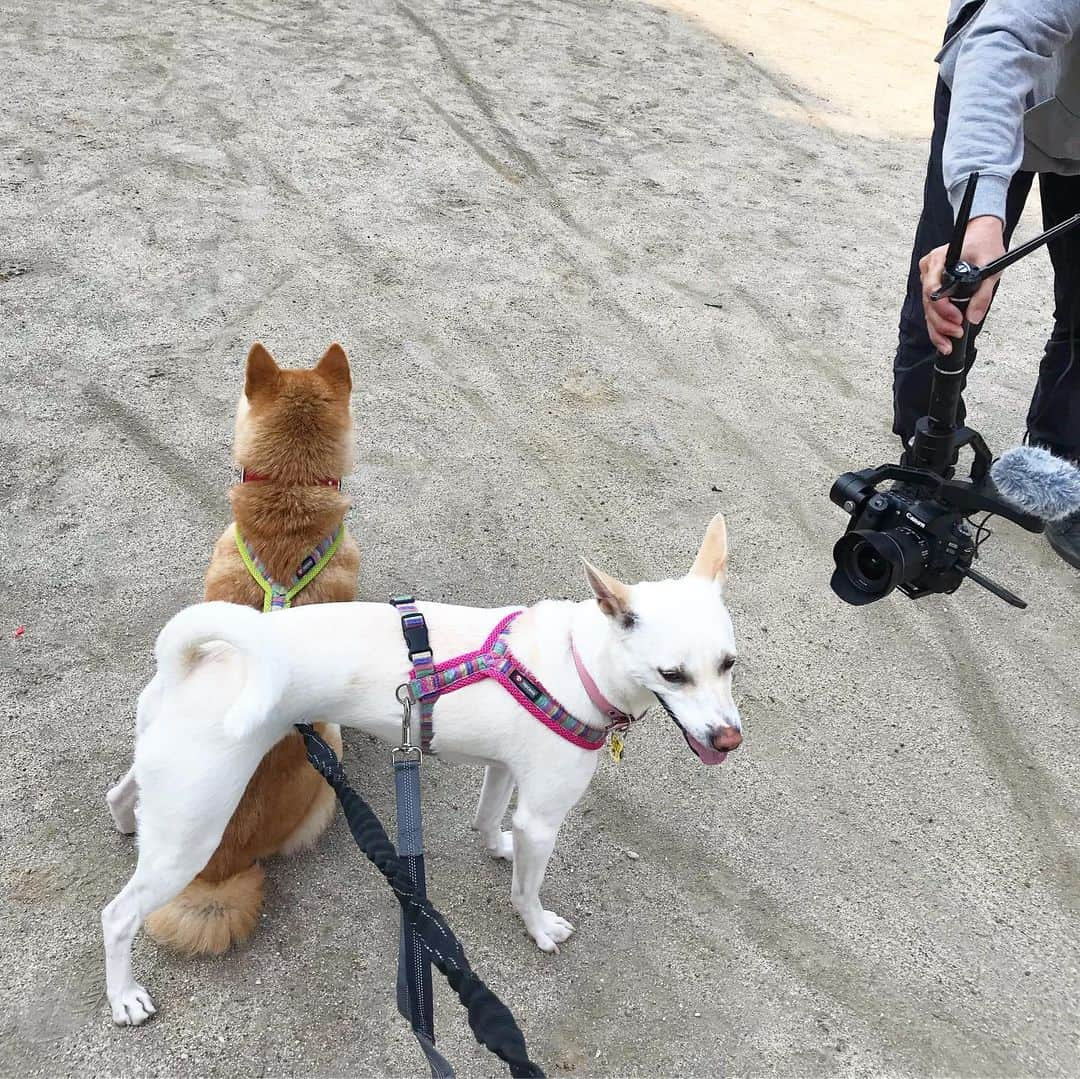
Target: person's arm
(1010,44)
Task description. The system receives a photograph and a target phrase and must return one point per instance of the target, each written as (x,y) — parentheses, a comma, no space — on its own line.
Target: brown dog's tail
(208,917)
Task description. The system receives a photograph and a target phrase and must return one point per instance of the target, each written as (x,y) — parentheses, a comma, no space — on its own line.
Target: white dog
(230,682)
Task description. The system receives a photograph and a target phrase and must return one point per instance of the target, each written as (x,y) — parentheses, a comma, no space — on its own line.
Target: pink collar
(617,719)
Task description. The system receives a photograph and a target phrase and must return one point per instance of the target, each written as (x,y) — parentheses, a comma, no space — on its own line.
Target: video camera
(917,536)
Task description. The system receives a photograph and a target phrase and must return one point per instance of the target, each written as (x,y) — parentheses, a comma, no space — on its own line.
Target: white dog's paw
(503,846)
(121,810)
(132,1006)
(550,931)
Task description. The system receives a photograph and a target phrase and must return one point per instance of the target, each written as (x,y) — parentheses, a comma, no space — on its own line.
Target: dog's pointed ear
(711,561)
(334,368)
(262,371)
(612,595)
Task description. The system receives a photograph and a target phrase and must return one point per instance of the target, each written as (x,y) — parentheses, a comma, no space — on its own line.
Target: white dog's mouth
(705,753)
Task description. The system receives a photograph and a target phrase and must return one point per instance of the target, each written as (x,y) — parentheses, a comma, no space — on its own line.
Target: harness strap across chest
(494,660)
(278,596)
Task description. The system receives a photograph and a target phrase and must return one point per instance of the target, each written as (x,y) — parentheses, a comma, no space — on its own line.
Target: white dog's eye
(726,664)
(675,675)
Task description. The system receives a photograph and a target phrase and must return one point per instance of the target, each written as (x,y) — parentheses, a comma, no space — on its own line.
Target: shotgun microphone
(1038,483)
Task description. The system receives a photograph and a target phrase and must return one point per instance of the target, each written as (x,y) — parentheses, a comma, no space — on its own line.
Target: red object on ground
(20,631)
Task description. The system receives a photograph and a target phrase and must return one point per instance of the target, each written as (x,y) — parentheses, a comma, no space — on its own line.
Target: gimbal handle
(977,275)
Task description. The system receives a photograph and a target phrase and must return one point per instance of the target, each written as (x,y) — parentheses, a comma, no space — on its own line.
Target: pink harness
(494,660)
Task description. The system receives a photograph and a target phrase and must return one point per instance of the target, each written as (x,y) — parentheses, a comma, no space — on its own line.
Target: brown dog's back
(293,427)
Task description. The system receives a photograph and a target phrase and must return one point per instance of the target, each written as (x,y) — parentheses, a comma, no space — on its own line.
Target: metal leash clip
(406,751)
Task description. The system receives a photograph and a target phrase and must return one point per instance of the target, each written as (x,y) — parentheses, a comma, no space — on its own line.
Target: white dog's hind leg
(121,800)
(541,808)
(169,860)
(123,918)
(120,921)
(494,798)
(184,807)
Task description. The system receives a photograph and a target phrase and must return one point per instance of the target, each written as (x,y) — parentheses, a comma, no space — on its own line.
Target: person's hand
(983,242)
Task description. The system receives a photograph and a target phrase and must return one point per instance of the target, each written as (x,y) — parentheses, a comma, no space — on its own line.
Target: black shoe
(1064,537)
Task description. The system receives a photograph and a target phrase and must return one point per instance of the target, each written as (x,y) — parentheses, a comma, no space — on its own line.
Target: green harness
(277,596)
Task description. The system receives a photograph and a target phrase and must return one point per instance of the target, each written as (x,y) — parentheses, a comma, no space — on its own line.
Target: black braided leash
(489,1019)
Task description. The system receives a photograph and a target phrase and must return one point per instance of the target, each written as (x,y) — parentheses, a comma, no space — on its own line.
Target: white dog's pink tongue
(706,754)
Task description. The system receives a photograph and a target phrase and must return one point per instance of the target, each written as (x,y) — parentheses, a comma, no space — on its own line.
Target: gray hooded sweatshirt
(1014,72)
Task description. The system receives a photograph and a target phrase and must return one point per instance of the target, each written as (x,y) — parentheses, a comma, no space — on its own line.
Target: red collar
(247,476)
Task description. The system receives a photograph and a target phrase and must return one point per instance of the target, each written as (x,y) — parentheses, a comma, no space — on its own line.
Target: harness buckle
(415,631)
(413,627)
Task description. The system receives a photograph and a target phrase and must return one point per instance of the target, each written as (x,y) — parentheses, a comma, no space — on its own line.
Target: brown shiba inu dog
(293,445)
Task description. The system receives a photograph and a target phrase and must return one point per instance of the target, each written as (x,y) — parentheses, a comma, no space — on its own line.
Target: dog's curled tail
(207,917)
(179,645)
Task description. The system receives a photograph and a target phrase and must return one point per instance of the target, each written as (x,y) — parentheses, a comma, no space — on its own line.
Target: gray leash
(414,995)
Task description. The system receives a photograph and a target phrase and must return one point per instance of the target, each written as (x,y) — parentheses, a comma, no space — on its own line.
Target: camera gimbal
(914,536)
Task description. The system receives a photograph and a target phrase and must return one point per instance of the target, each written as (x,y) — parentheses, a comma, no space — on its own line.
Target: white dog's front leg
(534,840)
(545,796)
(494,798)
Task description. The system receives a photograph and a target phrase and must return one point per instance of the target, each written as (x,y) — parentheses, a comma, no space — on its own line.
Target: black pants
(1053,419)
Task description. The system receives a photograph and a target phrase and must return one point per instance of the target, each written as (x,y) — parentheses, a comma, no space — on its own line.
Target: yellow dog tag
(616,746)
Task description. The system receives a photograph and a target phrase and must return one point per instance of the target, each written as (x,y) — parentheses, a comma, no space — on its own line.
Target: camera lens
(869,565)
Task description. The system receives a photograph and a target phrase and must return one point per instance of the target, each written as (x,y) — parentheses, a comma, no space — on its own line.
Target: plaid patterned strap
(414,629)
(495,660)
(278,596)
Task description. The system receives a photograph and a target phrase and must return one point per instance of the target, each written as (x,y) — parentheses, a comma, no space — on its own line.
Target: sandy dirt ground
(853,66)
(601,273)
